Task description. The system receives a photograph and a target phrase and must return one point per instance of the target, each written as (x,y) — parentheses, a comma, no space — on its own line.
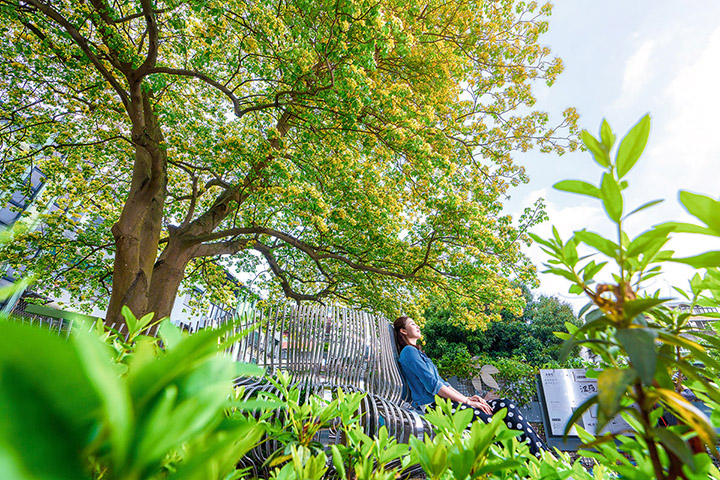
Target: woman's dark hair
(400,339)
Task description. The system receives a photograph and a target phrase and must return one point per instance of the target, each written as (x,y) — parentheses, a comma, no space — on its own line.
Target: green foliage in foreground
(88,408)
(640,341)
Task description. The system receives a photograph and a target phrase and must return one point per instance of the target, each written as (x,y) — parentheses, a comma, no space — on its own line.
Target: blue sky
(622,60)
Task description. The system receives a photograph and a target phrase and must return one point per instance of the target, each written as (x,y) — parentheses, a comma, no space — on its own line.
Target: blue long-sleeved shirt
(422,376)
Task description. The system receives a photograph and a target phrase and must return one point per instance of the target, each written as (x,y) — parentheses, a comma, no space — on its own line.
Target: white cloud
(639,69)
(688,144)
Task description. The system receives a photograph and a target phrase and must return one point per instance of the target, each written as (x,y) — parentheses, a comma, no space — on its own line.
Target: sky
(623,59)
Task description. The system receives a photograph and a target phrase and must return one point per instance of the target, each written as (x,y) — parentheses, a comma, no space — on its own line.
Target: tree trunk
(137,231)
(168,274)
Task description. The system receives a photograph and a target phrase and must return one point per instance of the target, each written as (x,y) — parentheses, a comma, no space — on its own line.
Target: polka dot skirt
(513,419)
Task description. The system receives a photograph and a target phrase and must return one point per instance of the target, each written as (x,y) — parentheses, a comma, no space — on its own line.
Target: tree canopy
(348,149)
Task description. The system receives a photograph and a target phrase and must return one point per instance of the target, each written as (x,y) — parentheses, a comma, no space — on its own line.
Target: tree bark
(167,275)
(137,231)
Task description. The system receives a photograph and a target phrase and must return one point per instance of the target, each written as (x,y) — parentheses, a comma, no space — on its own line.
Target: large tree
(358,150)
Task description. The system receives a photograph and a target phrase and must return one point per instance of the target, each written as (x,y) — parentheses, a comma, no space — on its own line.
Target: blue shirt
(422,376)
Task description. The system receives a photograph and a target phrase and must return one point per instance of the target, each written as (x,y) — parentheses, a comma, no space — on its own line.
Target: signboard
(564,391)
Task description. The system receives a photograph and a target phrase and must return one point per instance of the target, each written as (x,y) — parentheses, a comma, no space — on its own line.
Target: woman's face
(411,329)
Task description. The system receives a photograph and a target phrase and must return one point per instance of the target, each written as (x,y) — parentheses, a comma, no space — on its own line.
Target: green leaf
(47,405)
(579,187)
(632,146)
(97,363)
(461,461)
(612,198)
(129,318)
(704,260)
(650,240)
(681,227)
(578,413)
(689,414)
(143,322)
(592,269)
(642,207)
(600,243)
(606,134)
(170,334)
(640,305)
(600,154)
(585,308)
(570,252)
(504,464)
(704,208)
(541,241)
(639,343)
(612,385)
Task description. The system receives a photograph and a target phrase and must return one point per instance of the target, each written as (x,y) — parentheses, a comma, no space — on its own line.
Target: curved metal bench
(325,348)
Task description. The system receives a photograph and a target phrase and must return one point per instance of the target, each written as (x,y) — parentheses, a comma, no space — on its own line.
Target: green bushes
(96,408)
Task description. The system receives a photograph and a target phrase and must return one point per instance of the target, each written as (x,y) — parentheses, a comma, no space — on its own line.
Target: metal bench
(325,348)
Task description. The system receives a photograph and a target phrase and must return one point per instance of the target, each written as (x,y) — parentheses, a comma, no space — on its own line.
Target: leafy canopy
(353,150)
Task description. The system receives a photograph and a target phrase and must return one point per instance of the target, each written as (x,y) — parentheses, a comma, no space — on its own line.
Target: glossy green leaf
(47,405)
(682,227)
(632,146)
(578,413)
(606,135)
(644,206)
(612,385)
(170,334)
(639,344)
(461,462)
(689,414)
(598,242)
(634,307)
(599,153)
(570,252)
(579,187)
(612,198)
(652,239)
(704,260)
(704,208)
(129,318)
(592,269)
(585,308)
(541,240)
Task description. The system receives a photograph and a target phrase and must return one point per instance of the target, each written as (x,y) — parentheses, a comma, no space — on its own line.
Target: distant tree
(354,150)
(529,335)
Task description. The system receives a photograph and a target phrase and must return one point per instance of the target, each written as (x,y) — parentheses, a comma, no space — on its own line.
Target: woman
(425,382)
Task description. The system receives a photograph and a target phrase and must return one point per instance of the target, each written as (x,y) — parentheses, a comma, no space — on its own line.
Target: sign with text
(565,390)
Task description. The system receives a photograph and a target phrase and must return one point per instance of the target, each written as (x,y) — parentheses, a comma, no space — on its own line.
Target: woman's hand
(477,402)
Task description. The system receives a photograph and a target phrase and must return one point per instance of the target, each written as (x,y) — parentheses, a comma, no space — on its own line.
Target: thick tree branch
(282,276)
(317,254)
(152,36)
(129,18)
(237,106)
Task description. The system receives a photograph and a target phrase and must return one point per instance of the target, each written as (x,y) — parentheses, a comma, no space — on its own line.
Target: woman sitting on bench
(425,382)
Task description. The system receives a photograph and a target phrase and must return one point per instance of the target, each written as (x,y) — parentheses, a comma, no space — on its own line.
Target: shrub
(640,341)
